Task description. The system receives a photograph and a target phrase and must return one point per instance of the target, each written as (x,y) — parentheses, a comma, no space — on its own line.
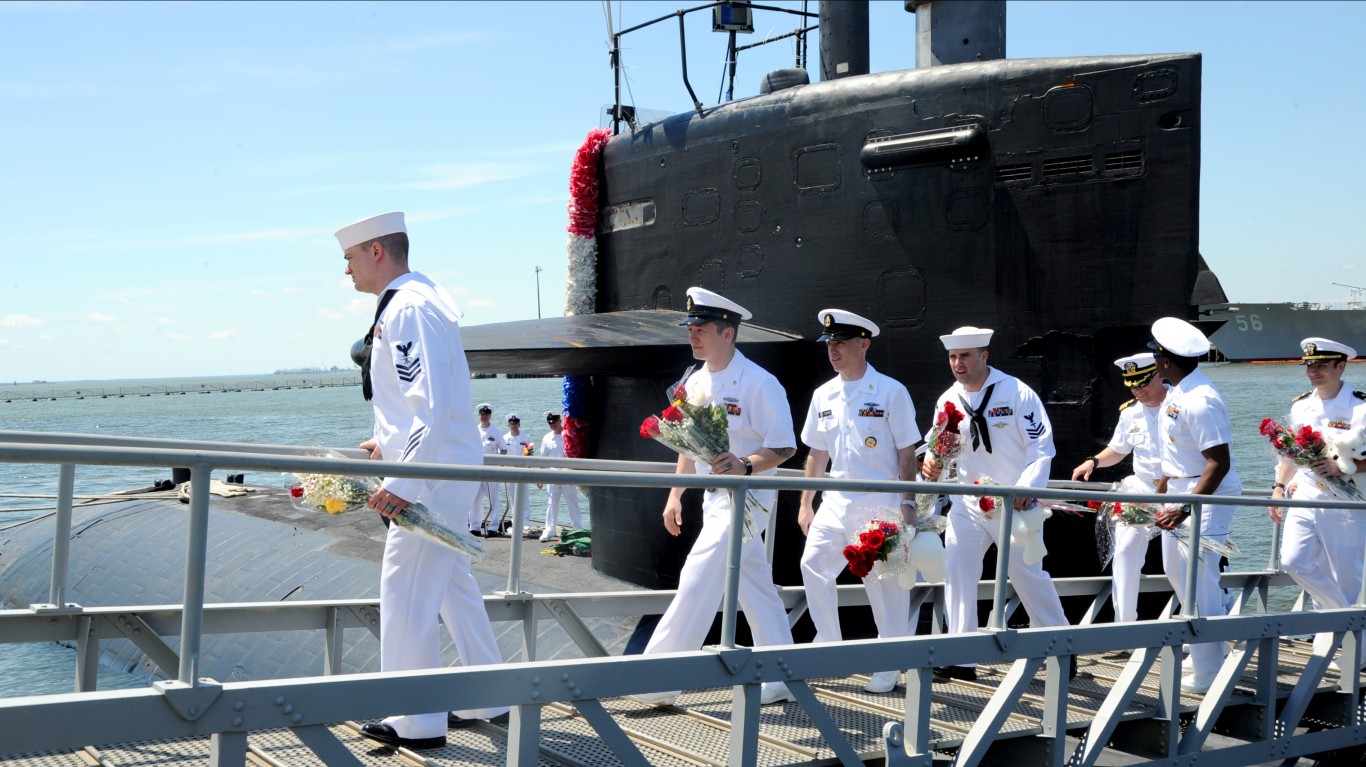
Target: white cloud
(5,342)
(331,314)
(290,291)
(463,175)
(258,293)
(360,306)
(99,317)
(164,321)
(482,303)
(20,321)
(178,336)
(1348,267)
(223,334)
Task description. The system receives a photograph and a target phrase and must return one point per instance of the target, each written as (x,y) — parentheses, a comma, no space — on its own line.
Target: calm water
(338,417)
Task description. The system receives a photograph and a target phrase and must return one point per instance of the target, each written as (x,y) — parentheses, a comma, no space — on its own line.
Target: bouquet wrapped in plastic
(339,494)
(1304,447)
(1145,515)
(945,444)
(903,549)
(697,431)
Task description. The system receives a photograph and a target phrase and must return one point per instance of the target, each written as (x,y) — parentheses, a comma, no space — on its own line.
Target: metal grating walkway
(696,730)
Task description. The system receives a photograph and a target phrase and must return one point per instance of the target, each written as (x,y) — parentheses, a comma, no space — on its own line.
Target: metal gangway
(1274,698)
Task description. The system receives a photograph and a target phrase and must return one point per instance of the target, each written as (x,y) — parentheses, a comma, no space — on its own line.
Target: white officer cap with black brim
(1324,350)
(705,306)
(1178,338)
(841,325)
(514,417)
(552,415)
(1138,369)
(483,407)
(967,337)
(371,228)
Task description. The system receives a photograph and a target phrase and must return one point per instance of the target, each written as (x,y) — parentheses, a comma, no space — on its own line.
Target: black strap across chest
(360,352)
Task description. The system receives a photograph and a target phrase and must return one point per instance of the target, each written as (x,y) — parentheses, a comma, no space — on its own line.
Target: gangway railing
(227,712)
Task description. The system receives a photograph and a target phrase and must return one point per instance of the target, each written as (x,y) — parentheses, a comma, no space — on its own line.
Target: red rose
(986,503)
(673,414)
(854,556)
(1094,505)
(872,539)
(952,415)
(649,428)
(1268,427)
(889,529)
(1119,509)
(680,393)
(296,492)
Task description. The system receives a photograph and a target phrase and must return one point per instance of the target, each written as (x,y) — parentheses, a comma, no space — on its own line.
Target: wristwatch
(749,466)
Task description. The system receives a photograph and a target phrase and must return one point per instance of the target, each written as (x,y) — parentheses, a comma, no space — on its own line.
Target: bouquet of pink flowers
(1304,447)
(697,431)
(338,494)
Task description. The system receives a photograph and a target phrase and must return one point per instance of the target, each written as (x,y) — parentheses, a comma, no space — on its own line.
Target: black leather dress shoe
(1071,667)
(946,673)
(454,722)
(383,733)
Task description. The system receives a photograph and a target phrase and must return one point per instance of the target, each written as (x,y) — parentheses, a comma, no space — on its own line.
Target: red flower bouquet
(878,542)
(698,431)
(1304,447)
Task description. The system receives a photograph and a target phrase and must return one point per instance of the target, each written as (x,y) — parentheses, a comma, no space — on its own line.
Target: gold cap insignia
(689,303)
(1130,367)
(829,320)
(1311,348)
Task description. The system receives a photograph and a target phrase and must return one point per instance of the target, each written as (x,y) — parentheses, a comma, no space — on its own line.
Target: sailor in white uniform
(861,424)
(517,443)
(1196,437)
(1136,434)
(420,382)
(1323,548)
(1006,436)
(761,437)
(490,443)
(552,446)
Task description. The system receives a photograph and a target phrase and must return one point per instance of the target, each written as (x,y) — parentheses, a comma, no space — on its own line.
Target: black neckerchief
(360,351)
(980,433)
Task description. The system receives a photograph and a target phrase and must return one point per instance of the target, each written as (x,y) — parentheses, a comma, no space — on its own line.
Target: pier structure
(1277,696)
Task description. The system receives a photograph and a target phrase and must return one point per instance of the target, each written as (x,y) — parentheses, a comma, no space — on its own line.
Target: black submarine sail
(1055,200)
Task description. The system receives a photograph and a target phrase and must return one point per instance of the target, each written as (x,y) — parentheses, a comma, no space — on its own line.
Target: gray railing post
(518,495)
(1274,558)
(196,556)
(730,603)
(1189,608)
(998,592)
(61,539)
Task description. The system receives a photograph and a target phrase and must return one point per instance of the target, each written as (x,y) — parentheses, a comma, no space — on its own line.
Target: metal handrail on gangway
(1271,704)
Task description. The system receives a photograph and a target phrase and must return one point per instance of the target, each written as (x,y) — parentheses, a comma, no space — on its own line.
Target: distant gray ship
(1259,332)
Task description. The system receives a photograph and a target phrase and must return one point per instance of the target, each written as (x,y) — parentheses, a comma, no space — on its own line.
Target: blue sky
(173,171)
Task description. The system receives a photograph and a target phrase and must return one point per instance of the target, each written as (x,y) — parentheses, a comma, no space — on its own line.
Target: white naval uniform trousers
(1021,454)
(861,424)
(421,407)
(1136,434)
(1193,418)
(490,441)
(552,446)
(1323,548)
(757,411)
